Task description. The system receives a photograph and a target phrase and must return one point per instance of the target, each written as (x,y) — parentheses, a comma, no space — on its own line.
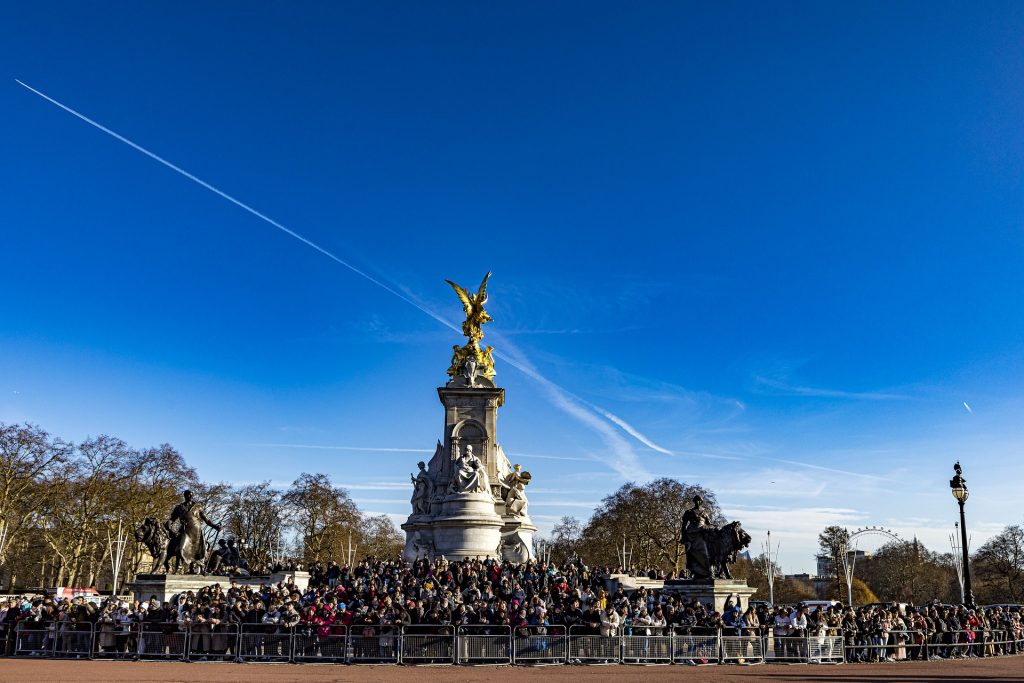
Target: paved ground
(34,671)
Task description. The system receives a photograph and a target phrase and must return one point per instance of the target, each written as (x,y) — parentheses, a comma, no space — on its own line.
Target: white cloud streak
(623,459)
(631,430)
(787,389)
(384,449)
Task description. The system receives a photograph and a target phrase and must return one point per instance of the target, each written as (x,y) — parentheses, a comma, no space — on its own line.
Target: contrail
(631,430)
(240,204)
(626,462)
(374,449)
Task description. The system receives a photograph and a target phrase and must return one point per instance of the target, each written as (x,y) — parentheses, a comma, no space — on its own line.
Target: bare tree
(379,537)
(999,567)
(565,539)
(256,518)
(323,515)
(648,518)
(906,571)
(27,456)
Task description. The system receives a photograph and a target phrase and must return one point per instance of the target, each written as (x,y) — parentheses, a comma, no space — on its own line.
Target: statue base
(165,586)
(710,592)
(467,528)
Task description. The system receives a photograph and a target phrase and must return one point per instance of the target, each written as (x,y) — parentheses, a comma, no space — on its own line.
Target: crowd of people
(378,597)
(930,632)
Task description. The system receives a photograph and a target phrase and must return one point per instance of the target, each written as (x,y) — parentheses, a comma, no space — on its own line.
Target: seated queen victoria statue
(470,475)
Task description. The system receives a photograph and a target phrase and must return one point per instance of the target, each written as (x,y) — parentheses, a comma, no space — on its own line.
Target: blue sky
(770,249)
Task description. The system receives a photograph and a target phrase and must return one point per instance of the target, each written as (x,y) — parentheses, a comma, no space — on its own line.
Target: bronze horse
(187,545)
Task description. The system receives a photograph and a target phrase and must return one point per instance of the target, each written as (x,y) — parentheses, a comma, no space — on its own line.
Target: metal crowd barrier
(73,640)
(32,639)
(257,642)
(540,645)
(791,649)
(898,646)
(691,648)
(374,643)
(920,645)
(742,649)
(483,644)
(116,640)
(646,645)
(587,646)
(426,644)
(310,646)
(825,650)
(1004,643)
(162,640)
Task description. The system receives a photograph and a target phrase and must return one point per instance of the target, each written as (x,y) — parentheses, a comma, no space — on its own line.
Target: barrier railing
(742,649)
(34,639)
(691,647)
(540,644)
(890,646)
(1004,643)
(484,644)
(73,640)
(825,649)
(323,644)
(258,643)
(922,645)
(425,644)
(162,640)
(586,644)
(116,640)
(790,649)
(374,643)
(646,645)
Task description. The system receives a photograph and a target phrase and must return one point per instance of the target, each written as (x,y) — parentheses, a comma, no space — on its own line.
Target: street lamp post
(958,485)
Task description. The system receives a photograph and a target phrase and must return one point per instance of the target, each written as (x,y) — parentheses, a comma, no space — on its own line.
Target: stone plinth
(709,591)
(468,527)
(165,586)
(517,538)
(631,583)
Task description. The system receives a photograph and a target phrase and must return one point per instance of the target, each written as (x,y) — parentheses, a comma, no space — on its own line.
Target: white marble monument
(469,501)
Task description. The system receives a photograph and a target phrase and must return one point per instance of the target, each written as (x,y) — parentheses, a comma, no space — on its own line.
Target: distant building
(826,566)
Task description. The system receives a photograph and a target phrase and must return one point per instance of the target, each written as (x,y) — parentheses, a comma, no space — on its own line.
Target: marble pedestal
(710,592)
(166,586)
(468,527)
(517,538)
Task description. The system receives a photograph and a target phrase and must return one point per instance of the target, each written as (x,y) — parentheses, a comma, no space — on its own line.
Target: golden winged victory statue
(470,360)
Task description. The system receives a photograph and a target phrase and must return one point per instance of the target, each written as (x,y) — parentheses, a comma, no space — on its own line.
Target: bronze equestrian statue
(187,546)
(710,549)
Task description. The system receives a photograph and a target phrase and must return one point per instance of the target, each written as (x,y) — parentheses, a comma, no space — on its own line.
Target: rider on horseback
(697,525)
(187,544)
